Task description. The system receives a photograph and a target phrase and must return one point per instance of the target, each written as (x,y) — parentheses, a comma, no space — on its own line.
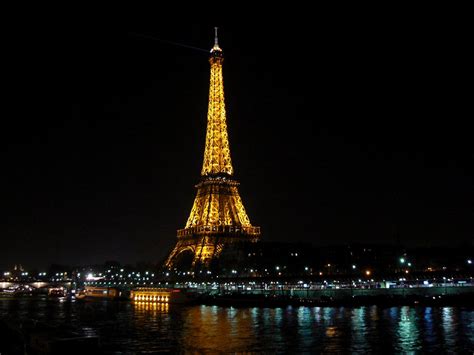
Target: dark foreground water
(127,328)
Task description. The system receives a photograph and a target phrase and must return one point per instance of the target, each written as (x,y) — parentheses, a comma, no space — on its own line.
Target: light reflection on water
(144,327)
(408,332)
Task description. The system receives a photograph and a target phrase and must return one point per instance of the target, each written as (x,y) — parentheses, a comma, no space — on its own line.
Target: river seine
(128,328)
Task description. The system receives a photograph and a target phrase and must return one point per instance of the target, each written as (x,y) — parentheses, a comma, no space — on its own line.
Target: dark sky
(340,131)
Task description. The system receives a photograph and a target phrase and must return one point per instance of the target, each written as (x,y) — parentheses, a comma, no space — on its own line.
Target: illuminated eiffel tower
(218,218)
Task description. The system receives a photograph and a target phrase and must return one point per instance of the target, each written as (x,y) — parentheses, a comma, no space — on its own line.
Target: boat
(57,292)
(18,291)
(161,295)
(96,292)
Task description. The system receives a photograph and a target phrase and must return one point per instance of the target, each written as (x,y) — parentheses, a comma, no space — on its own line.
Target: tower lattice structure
(218,217)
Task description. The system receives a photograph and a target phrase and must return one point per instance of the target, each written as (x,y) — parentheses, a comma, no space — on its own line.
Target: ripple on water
(133,328)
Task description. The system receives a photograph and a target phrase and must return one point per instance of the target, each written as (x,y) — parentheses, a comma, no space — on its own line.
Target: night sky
(340,132)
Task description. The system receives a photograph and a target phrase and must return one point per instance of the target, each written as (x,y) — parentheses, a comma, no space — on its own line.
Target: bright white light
(469,261)
(402,260)
(90,277)
(353,266)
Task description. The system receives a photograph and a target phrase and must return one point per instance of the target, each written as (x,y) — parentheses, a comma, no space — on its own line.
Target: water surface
(133,328)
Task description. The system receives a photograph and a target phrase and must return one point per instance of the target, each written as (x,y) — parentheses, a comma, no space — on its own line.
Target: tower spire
(216,42)
(217,152)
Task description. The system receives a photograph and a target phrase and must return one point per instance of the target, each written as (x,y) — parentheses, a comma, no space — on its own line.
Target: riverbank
(423,296)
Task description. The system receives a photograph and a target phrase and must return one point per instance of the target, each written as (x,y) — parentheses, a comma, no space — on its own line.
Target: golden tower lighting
(218,217)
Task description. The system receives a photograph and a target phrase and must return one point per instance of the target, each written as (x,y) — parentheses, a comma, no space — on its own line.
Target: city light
(368,272)
(402,260)
(353,266)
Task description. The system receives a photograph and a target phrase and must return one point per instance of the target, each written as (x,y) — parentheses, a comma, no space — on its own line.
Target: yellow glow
(368,272)
(217,152)
(150,295)
(149,306)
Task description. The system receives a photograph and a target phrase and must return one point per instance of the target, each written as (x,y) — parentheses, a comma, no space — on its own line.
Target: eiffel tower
(218,218)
